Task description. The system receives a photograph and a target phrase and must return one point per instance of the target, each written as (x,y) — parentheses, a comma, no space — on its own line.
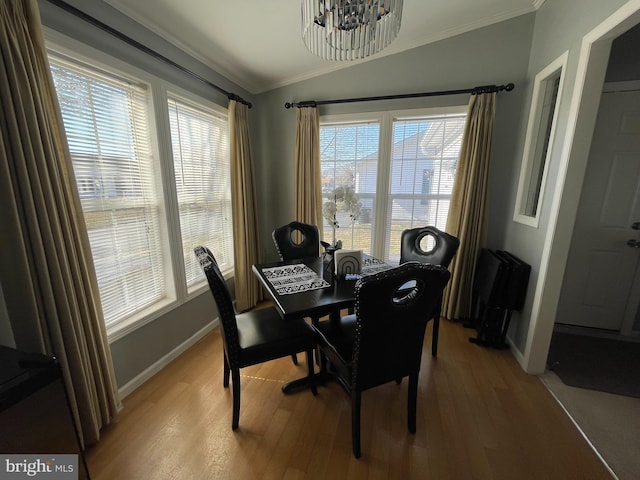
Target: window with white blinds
(106,121)
(200,141)
(349,158)
(424,157)
(401,167)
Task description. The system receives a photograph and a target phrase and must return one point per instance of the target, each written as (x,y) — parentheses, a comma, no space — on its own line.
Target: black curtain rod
(473,91)
(103,26)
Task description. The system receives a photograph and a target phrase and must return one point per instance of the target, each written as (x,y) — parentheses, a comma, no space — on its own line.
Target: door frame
(592,64)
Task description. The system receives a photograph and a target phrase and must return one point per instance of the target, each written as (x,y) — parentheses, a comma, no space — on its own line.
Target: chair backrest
(289,248)
(222,297)
(391,321)
(444,247)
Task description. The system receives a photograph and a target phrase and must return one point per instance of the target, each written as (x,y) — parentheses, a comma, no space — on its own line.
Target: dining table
(310,288)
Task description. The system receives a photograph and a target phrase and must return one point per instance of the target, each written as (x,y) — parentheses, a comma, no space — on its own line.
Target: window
(401,166)
(143,225)
(105,118)
(200,141)
(539,140)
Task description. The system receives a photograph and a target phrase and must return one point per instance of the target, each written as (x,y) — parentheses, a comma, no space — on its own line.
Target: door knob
(633,243)
(635,225)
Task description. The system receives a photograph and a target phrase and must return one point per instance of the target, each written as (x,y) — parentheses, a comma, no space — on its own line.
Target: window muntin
(200,144)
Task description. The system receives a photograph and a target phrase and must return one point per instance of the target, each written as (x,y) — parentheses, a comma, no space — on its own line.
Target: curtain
(466,218)
(46,267)
(245,220)
(308,190)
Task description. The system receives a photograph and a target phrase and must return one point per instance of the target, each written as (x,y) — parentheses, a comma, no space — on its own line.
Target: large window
(200,140)
(146,204)
(401,166)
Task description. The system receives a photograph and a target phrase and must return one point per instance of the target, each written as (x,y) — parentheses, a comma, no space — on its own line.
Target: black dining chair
(429,245)
(297,240)
(382,342)
(253,337)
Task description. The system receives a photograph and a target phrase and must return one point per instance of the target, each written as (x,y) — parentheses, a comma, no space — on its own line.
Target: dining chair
(253,337)
(291,248)
(429,245)
(383,340)
(297,240)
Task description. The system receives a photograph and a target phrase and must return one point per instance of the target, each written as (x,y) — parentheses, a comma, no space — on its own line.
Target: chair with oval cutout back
(429,245)
(253,337)
(383,341)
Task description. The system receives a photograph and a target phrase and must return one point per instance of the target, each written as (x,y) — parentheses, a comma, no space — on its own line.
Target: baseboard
(146,374)
(516,352)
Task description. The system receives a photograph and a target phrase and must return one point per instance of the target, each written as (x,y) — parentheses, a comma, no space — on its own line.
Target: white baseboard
(146,374)
(515,352)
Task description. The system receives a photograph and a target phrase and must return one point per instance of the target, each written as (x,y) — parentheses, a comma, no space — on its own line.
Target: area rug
(595,363)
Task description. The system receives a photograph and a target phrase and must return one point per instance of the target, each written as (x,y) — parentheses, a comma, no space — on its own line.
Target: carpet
(595,363)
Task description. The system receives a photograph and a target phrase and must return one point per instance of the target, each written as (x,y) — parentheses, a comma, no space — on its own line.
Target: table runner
(296,278)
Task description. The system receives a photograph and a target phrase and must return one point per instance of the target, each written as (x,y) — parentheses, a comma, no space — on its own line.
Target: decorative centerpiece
(345,199)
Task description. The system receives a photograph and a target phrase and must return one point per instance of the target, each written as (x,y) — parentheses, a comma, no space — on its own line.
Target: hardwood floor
(479,417)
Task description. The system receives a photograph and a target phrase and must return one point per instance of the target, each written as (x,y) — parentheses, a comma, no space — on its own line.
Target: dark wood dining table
(315,303)
(337,294)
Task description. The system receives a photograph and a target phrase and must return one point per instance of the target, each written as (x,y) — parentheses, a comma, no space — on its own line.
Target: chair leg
(235,380)
(434,337)
(294,358)
(311,372)
(412,400)
(355,422)
(225,378)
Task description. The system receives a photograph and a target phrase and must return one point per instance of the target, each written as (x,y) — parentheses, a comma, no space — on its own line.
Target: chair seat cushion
(264,335)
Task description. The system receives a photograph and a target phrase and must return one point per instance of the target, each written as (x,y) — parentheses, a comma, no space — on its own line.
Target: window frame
(542,79)
(385,144)
(177,293)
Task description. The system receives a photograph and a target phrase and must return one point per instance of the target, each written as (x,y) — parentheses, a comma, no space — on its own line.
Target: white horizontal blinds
(349,156)
(200,141)
(424,158)
(107,126)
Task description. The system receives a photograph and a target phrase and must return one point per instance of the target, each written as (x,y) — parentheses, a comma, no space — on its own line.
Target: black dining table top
(311,303)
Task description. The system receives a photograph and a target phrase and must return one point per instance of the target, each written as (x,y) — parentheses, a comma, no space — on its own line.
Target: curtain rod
(134,43)
(473,91)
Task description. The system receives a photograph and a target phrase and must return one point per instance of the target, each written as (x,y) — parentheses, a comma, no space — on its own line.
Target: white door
(601,286)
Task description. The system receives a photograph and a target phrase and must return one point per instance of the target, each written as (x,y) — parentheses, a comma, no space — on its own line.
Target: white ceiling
(257,43)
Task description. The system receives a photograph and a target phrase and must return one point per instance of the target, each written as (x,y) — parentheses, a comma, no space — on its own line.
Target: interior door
(602,268)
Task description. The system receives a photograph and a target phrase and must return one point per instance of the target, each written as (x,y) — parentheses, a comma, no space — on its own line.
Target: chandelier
(349,29)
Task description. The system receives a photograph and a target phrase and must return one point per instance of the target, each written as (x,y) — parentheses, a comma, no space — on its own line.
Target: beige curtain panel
(46,267)
(245,220)
(468,204)
(308,191)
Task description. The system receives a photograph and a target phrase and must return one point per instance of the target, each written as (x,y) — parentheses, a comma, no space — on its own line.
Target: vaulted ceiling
(257,44)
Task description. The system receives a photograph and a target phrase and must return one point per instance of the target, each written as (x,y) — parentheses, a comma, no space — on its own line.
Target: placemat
(293,279)
(372,265)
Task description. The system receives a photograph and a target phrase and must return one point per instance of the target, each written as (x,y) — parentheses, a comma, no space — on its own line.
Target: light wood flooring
(479,417)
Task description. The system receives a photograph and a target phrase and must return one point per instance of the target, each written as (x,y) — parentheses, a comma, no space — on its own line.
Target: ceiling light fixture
(349,29)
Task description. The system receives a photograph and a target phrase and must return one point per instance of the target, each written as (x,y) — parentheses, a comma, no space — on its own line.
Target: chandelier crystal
(349,29)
